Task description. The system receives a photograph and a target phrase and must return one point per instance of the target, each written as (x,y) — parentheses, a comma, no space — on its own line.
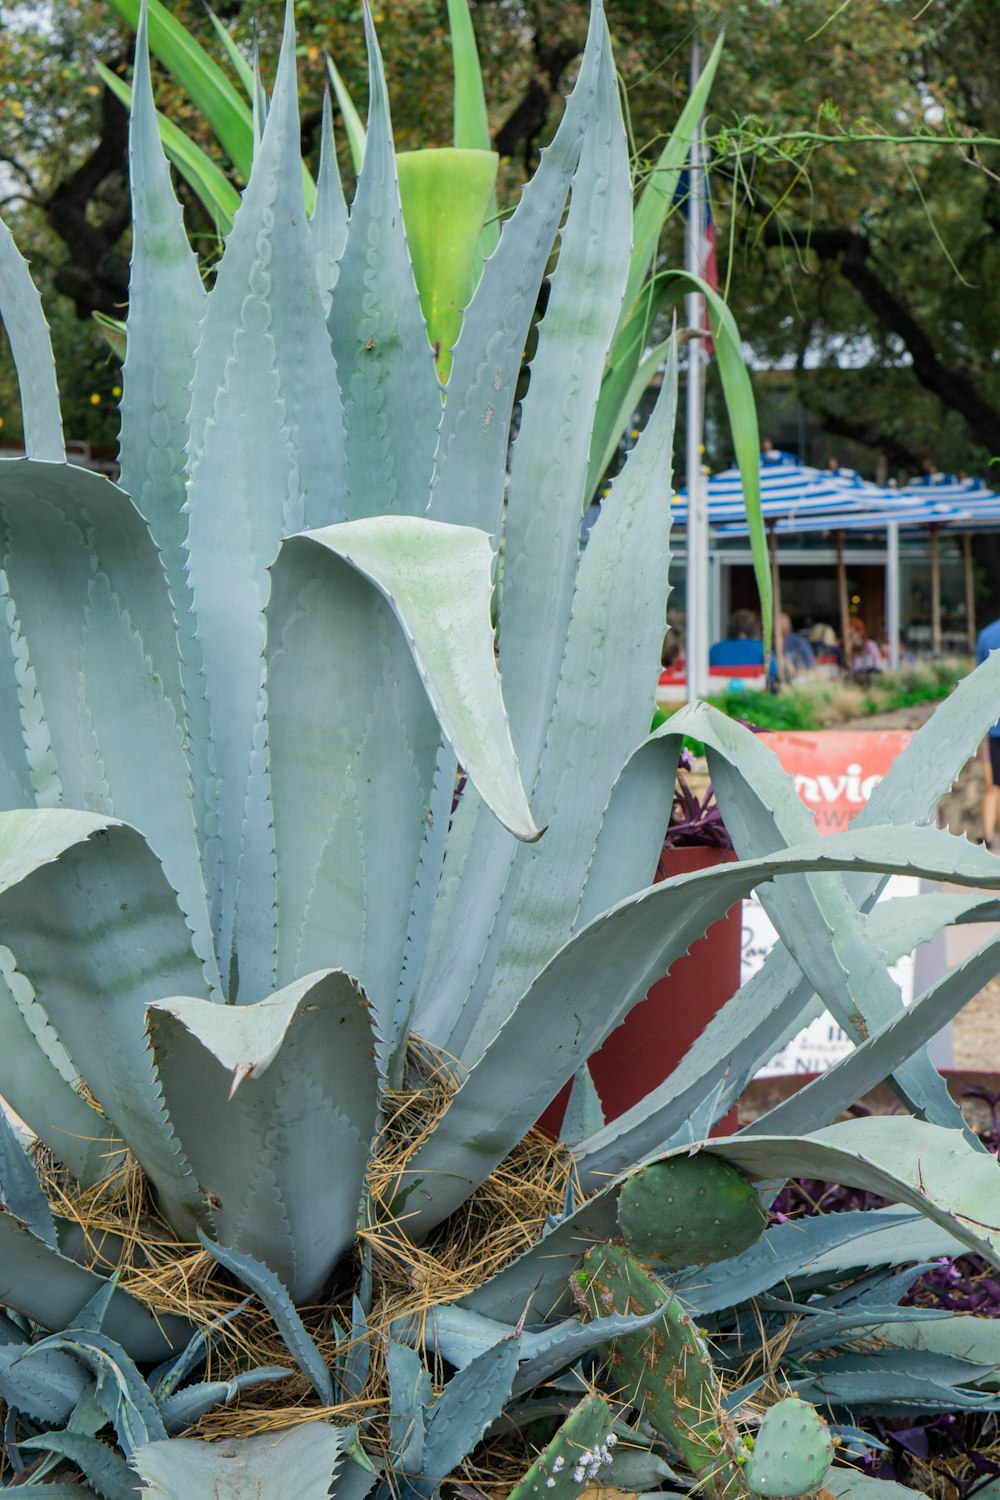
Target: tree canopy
(856,195)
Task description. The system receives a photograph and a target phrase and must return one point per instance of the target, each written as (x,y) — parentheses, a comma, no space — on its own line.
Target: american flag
(709,266)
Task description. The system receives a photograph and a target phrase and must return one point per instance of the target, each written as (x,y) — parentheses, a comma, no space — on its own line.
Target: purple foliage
(935,1444)
(694,820)
(964,1284)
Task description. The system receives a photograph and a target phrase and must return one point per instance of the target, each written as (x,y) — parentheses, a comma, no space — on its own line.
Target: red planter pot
(657,1032)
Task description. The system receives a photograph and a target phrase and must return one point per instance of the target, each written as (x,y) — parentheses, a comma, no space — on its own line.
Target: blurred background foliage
(857,206)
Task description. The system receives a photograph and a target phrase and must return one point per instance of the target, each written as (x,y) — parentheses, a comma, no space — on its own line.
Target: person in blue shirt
(742,646)
(989,640)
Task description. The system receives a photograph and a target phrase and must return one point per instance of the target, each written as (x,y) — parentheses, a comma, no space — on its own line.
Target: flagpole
(696,610)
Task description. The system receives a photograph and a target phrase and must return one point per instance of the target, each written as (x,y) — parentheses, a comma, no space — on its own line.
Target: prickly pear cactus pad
(575,1457)
(666,1370)
(792,1451)
(689,1211)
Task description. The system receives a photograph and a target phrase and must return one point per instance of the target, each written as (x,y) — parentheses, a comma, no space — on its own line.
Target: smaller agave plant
(282,1007)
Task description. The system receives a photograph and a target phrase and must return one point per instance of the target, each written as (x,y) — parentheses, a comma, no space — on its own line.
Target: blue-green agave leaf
(328,225)
(30,344)
(891,1382)
(749,1028)
(960,1335)
(353,740)
(614,637)
(389,387)
(96,667)
(789,1251)
(45,1387)
(346,843)
(107,1470)
(435,579)
(424,905)
(545,499)
(67,1491)
(631,369)
(409,1399)
(928,1167)
(28,773)
(96,928)
(471,1401)
(536,1285)
(271,1080)
(21,1193)
(566,1013)
(763,811)
(464,1338)
(851,1484)
(295,1465)
(881,1054)
(584,1110)
(50,1289)
(258,99)
(541,589)
(120,1391)
(924,771)
(472,454)
(166,305)
(185,1407)
(353,1353)
(265,370)
(262,1281)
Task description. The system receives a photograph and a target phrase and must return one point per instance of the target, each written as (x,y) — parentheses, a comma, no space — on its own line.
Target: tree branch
(853,251)
(899,455)
(95,274)
(525,122)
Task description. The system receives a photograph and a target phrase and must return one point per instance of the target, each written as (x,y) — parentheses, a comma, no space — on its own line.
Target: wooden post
(845,607)
(970,590)
(935,592)
(779,640)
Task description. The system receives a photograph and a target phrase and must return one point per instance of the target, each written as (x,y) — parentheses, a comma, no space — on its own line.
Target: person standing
(989,640)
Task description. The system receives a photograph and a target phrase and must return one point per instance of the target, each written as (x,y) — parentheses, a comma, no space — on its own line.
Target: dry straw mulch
(122,1231)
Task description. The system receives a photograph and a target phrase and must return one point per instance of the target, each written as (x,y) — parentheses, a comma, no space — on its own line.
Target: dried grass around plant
(122,1230)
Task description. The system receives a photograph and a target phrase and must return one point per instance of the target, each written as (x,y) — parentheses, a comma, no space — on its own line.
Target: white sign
(822,1042)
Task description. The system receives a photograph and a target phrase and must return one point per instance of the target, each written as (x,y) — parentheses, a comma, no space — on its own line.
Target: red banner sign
(835,773)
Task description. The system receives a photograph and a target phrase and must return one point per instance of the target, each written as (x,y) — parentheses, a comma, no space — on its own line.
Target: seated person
(796,650)
(742,646)
(825,646)
(865,654)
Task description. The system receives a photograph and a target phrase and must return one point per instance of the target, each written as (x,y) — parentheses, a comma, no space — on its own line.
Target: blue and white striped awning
(859,521)
(952,489)
(787,489)
(796,498)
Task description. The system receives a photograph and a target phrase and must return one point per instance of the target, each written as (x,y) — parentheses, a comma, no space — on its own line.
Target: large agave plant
(249,919)
(444,195)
